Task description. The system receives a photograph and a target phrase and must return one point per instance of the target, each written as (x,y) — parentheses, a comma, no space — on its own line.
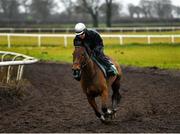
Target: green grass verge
(159,55)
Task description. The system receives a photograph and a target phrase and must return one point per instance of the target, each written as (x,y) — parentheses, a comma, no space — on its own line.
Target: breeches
(102,58)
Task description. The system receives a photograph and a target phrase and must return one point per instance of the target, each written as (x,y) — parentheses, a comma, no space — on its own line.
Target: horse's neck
(89,71)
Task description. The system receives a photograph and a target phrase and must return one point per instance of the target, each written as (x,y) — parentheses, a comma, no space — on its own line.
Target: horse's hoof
(110,114)
(109,111)
(102,118)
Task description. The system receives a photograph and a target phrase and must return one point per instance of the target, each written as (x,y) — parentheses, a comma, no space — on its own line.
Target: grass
(159,55)
(45,53)
(33,41)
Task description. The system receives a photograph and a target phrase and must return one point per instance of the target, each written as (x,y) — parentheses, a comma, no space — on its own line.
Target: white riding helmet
(79,28)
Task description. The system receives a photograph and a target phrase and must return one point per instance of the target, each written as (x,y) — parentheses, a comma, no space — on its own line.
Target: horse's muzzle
(77,74)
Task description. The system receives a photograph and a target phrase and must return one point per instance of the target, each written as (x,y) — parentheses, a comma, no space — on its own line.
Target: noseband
(82,66)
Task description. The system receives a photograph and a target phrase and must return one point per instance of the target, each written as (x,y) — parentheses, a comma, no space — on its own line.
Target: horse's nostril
(77,74)
(75,71)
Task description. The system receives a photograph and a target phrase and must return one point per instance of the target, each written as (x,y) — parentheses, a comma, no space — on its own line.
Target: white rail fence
(105,29)
(66,36)
(10,59)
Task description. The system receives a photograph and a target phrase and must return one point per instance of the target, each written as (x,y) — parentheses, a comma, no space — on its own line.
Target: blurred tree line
(88,11)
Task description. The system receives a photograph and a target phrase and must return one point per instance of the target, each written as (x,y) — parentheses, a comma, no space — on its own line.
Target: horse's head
(80,59)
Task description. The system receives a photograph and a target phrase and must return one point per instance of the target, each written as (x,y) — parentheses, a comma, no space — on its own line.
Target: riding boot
(109,66)
(112,71)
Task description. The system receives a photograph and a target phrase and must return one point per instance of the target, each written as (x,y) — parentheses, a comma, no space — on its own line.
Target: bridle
(82,64)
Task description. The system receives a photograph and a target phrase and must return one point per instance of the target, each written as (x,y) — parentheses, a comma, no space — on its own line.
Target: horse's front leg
(104,99)
(92,102)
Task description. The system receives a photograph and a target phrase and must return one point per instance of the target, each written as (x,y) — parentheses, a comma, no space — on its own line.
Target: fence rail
(66,36)
(13,61)
(68,30)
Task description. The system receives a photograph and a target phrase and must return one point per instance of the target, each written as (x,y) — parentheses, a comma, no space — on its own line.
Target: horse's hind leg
(116,97)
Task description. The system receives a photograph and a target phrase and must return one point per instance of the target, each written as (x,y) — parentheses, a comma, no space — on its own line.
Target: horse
(94,83)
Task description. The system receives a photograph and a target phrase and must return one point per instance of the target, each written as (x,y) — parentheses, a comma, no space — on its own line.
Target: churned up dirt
(52,101)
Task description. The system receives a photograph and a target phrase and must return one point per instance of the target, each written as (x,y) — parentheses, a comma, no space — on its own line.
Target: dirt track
(55,103)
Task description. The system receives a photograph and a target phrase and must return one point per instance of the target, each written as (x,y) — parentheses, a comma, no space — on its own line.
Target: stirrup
(111,73)
(114,69)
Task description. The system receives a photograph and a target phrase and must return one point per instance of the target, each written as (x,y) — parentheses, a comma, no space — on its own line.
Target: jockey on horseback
(93,43)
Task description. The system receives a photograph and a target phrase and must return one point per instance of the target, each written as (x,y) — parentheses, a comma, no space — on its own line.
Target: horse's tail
(116,97)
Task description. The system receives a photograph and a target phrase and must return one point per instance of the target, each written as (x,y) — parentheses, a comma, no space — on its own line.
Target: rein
(83,65)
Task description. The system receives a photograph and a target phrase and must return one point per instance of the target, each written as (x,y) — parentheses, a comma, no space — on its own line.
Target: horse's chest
(91,87)
(93,92)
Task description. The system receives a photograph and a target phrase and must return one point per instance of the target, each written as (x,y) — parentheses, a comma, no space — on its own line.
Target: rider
(93,43)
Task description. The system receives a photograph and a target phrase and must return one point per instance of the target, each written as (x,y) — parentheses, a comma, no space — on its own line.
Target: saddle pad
(100,66)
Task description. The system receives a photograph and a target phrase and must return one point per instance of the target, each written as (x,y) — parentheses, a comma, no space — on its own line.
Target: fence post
(65,41)
(39,40)
(149,39)
(172,39)
(9,41)
(121,40)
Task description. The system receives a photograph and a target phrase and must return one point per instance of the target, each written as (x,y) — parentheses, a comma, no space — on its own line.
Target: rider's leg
(103,59)
(111,69)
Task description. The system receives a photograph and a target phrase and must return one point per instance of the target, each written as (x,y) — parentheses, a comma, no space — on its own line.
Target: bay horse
(94,83)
